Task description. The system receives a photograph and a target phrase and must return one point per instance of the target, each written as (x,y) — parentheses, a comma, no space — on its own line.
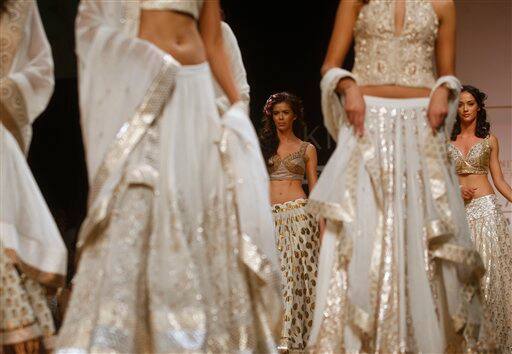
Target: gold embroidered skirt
(297,238)
(397,269)
(26,320)
(493,241)
(169,275)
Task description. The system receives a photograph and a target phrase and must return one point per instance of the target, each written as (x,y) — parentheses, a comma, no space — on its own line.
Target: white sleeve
(237,69)
(332,104)
(27,88)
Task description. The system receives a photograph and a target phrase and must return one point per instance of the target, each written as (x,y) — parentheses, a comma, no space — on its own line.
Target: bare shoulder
(443,8)
(493,140)
(310,150)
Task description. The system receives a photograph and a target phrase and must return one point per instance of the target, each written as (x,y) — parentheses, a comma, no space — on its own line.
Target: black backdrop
(283,43)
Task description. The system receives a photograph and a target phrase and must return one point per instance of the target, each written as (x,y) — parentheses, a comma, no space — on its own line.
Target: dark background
(282,42)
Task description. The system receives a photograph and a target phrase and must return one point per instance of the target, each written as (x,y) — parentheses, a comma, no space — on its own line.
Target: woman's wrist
(345,84)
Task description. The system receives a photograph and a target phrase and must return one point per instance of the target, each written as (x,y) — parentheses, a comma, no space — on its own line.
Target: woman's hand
(467,193)
(354,103)
(438,107)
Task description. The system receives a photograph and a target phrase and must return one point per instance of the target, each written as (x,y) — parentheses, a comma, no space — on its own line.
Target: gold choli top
(290,167)
(476,162)
(190,7)
(383,57)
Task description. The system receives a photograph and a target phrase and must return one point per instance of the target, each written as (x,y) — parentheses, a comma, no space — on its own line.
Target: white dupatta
(28,233)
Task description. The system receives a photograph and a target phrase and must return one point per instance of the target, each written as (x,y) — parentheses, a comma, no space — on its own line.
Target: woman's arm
(341,39)
(311,166)
(312,177)
(445,60)
(342,34)
(445,42)
(496,173)
(209,26)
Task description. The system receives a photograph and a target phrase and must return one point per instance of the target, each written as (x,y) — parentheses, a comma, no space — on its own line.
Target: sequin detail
(493,241)
(297,237)
(290,167)
(476,160)
(384,58)
(24,311)
(398,227)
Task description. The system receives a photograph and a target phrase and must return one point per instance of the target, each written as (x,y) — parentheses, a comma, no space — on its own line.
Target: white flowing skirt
(397,268)
(31,250)
(167,266)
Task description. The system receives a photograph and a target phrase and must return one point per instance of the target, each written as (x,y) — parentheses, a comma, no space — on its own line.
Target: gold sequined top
(290,167)
(190,7)
(476,162)
(383,57)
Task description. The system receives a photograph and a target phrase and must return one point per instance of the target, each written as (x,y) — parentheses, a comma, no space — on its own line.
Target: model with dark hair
(397,265)
(297,234)
(475,153)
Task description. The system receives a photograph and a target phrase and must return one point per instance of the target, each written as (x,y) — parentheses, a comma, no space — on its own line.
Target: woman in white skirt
(475,153)
(397,269)
(175,254)
(32,253)
(296,231)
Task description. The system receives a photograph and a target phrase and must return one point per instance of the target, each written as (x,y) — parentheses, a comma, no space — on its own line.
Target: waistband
(482,207)
(289,205)
(186,70)
(483,199)
(397,102)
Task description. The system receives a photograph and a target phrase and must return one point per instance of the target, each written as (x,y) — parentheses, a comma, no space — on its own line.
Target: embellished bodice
(190,7)
(476,161)
(290,167)
(383,57)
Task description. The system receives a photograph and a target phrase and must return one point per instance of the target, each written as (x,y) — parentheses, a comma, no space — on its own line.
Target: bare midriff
(480,182)
(175,33)
(282,191)
(393,91)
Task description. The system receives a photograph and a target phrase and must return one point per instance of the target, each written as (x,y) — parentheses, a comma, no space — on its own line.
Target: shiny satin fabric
(493,240)
(397,268)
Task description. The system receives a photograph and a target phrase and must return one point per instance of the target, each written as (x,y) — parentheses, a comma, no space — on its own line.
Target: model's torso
(394,48)
(287,170)
(471,160)
(173,29)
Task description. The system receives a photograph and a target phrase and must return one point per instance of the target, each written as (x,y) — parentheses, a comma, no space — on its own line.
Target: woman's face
(468,108)
(283,116)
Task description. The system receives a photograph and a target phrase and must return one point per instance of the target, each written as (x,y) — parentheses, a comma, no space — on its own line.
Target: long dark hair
(269,140)
(3,6)
(482,125)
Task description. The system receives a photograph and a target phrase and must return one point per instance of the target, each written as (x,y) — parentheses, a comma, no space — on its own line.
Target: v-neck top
(476,162)
(383,57)
(290,167)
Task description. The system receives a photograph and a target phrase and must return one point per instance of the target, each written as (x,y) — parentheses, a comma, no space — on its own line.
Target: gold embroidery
(126,139)
(11,33)
(384,58)
(438,233)
(475,162)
